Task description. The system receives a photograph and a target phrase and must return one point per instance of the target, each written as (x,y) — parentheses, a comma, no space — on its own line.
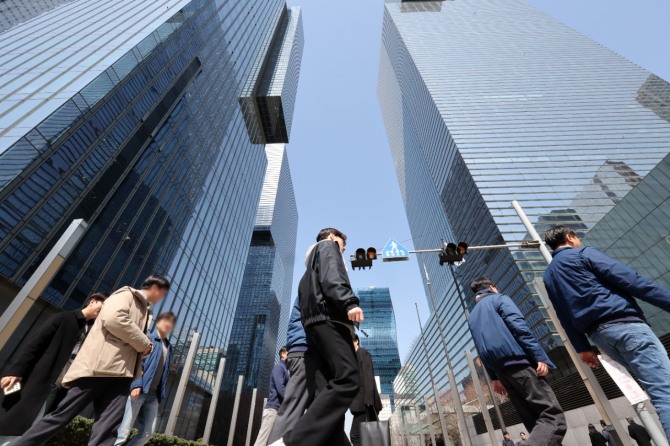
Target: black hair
(505,433)
(99,296)
(557,236)
(166,315)
(481,284)
(283,350)
(325,232)
(522,433)
(154,279)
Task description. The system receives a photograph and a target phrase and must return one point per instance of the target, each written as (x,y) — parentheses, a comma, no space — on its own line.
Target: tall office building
(147,119)
(265,298)
(486,102)
(379,336)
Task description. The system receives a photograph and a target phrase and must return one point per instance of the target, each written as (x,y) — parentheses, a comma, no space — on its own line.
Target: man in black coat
(367,404)
(638,433)
(39,361)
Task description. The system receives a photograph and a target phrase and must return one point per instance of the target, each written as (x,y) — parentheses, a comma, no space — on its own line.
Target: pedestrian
(329,309)
(106,365)
(147,392)
(638,433)
(594,296)
(507,439)
(523,441)
(278,381)
(38,362)
(609,433)
(597,439)
(296,396)
(367,404)
(516,362)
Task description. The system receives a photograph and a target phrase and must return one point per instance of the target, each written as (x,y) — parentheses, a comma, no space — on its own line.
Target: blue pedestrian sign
(394,252)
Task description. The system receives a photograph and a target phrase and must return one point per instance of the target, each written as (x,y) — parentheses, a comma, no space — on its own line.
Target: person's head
(560,237)
(592,428)
(602,423)
(523,435)
(483,284)
(334,235)
(283,353)
(93,305)
(165,323)
(155,287)
(506,435)
(357,342)
(630,420)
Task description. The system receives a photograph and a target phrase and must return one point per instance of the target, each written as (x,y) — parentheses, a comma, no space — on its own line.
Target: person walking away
(597,439)
(638,433)
(329,309)
(594,296)
(507,439)
(609,433)
(106,365)
(147,392)
(523,441)
(278,381)
(516,362)
(296,396)
(367,404)
(38,362)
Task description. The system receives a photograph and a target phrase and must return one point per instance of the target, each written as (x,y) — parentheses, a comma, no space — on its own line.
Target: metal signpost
(183,382)
(215,400)
(250,426)
(236,408)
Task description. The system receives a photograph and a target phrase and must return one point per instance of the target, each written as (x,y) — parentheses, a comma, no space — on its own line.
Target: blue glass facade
(128,114)
(486,102)
(380,336)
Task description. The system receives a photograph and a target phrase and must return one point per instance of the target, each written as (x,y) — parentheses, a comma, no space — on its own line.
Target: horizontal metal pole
(526,245)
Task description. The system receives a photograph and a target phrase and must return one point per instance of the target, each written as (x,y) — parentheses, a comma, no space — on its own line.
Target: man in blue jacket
(594,296)
(148,391)
(280,377)
(516,362)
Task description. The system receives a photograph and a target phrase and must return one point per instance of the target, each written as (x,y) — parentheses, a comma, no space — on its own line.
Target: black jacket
(639,434)
(325,292)
(597,439)
(367,396)
(38,360)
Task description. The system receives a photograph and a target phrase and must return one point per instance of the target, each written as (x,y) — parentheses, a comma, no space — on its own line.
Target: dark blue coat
(278,383)
(295,335)
(589,288)
(149,365)
(502,335)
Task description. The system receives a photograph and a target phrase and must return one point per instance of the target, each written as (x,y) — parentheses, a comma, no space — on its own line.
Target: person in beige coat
(104,368)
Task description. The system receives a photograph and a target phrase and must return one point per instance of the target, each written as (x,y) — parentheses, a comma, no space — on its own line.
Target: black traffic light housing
(453,253)
(363,258)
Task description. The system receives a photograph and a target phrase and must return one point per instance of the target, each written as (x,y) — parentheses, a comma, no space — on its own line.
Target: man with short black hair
(329,309)
(147,392)
(516,362)
(523,441)
(278,381)
(367,404)
(107,363)
(595,297)
(507,439)
(638,433)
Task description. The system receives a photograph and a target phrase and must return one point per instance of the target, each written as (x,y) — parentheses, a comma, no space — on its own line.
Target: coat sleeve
(334,279)
(115,317)
(624,278)
(518,326)
(23,361)
(279,381)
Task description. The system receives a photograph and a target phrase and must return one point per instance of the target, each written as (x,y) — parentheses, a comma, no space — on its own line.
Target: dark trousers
(108,396)
(296,397)
(332,382)
(360,417)
(535,403)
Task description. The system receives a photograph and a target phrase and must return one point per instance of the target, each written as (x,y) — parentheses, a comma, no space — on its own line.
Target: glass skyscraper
(486,102)
(379,337)
(149,120)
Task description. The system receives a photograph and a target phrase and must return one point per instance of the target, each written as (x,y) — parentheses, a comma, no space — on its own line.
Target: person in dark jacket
(280,377)
(594,296)
(329,309)
(638,433)
(507,439)
(596,437)
(147,392)
(296,396)
(39,361)
(367,404)
(516,362)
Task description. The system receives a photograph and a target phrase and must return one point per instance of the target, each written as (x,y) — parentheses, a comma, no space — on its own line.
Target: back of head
(481,284)
(159,281)
(557,236)
(326,232)
(98,296)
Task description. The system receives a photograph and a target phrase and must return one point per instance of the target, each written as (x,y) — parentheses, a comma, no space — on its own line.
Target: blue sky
(340,160)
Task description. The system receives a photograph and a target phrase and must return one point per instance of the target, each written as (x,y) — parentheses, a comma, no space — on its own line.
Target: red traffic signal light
(372,253)
(363,258)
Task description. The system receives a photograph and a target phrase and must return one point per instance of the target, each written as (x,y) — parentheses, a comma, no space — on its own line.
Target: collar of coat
(483,294)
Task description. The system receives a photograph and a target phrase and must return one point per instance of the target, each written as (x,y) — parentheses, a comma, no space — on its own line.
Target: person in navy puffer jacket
(594,297)
(516,362)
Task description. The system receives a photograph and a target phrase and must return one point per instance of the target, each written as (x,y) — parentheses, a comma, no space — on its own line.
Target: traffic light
(363,258)
(453,253)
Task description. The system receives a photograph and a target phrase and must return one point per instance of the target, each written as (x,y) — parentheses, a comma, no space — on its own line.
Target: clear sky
(340,160)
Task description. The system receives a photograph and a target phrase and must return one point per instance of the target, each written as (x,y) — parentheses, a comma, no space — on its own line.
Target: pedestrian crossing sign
(394,252)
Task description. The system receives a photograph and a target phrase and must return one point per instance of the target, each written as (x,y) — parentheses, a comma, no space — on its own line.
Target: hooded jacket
(324,291)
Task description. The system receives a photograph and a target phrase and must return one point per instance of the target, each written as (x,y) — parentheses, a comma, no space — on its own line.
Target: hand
(355,315)
(542,369)
(135,393)
(7,382)
(499,388)
(590,359)
(148,350)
